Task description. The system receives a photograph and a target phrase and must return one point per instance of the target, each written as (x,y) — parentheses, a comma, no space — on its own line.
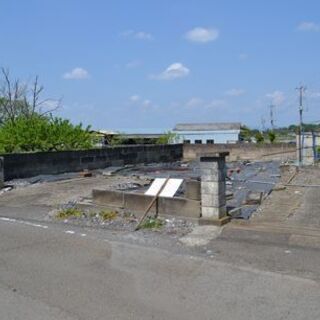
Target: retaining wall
(243,151)
(137,203)
(25,165)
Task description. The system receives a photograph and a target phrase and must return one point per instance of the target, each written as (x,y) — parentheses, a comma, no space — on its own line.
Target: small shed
(208,133)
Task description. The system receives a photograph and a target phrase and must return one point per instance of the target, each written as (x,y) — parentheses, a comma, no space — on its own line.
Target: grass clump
(68,213)
(151,223)
(108,215)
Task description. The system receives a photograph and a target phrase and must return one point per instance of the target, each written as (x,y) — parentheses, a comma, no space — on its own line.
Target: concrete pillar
(1,172)
(213,186)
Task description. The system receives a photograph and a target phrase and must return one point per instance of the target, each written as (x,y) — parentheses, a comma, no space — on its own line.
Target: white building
(207,133)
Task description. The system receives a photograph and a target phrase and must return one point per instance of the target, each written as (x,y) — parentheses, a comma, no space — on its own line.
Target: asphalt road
(58,272)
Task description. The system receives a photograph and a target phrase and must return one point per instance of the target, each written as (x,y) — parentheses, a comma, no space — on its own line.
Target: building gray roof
(212,126)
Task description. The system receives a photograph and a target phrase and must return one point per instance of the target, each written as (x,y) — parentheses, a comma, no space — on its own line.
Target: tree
(259,137)
(245,134)
(41,133)
(166,138)
(21,99)
(271,136)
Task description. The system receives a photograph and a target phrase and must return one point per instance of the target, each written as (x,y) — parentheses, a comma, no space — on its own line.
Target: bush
(40,133)
(271,136)
(259,137)
(166,138)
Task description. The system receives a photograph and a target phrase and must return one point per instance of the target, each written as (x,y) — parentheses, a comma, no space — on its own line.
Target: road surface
(50,272)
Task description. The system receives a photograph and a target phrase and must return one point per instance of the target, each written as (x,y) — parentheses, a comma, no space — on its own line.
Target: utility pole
(301,90)
(263,124)
(271,117)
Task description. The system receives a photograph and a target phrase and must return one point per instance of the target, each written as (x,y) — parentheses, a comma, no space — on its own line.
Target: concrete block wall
(243,151)
(32,164)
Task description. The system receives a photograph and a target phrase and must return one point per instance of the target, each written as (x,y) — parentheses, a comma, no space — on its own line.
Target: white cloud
(243,56)
(277,97)
(314,94)
(308,26)
(133,64)
(216,103)
(202,35)
(174,71)
(147,103)
(194,102)
(76,74)
(235,92)
(139,35)
(134,98)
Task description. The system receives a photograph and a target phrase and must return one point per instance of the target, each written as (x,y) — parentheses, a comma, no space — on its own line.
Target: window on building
(210,141)
(198,141)
(186,141)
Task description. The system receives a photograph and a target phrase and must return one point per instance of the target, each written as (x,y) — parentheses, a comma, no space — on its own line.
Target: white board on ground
(169,190)
(155,186)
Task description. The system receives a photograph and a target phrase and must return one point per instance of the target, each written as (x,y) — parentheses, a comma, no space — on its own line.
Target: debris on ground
(253,198)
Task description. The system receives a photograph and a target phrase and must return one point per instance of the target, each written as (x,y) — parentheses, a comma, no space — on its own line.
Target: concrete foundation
(192,190)
(137,203)
(213,186)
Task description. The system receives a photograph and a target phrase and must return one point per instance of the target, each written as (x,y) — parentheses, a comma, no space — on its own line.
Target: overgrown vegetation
(69,213)
(108,215)
(43,133)
(27,123)
(151,223)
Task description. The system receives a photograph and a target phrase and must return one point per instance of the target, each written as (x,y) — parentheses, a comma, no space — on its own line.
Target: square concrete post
(213,186)
(1,172)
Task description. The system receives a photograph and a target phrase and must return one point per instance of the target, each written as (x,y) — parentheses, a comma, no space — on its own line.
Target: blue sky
(150,64)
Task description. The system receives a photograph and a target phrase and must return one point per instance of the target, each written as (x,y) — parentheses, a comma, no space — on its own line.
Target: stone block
(213,212)
(214,222)
(213,174)
(193,190)
(217,164)
(208,200)
(213,188)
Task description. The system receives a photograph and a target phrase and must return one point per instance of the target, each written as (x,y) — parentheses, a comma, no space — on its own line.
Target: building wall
(25,165)
(231,136)
(243,151)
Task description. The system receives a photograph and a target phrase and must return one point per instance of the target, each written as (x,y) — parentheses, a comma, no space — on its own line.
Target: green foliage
(168,137)
(107,215)
(40,133)
(68,213)
(259,137)
(117,140)
(151,223)
(245,134)
(271,136)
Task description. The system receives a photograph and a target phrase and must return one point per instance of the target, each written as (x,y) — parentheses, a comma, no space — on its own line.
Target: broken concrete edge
(215,222)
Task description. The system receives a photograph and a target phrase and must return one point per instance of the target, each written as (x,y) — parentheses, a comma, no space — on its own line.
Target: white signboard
(169,190)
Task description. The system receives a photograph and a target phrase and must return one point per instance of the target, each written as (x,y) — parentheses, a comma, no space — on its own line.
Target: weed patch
(68,213)
(108,215)
(152,223)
